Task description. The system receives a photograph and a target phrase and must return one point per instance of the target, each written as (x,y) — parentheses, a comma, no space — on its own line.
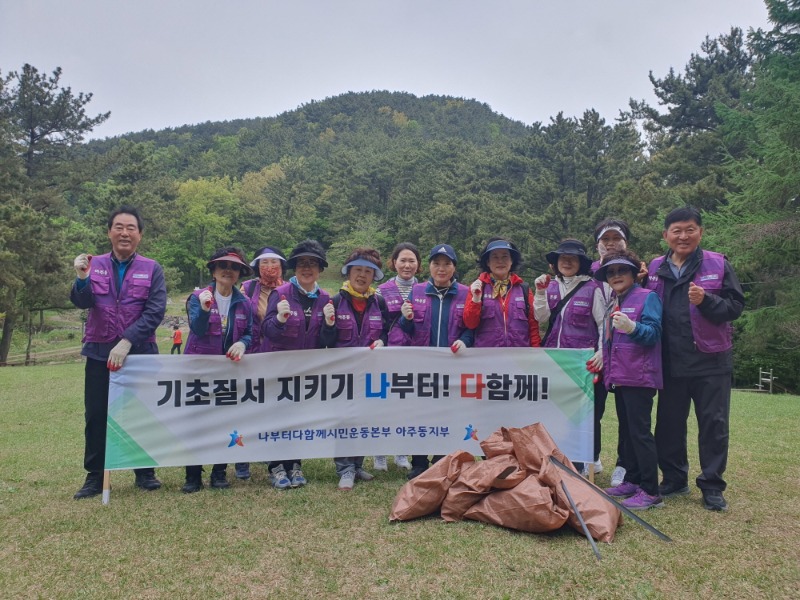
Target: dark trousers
(95,401)
(641,458)
(287,464)
(176,348)
(421,460)
(600,395)
(195,471)
(712,405)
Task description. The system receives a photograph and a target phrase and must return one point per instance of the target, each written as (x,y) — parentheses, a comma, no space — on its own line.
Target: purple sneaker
(642,501)
(626,489)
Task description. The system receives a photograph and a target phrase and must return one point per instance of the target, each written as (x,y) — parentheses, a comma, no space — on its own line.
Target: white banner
(173,410)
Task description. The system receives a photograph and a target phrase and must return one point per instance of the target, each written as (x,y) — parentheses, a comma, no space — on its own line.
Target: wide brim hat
(444,250)
(573,247)
(292,262)
(244,268)
(516,257)
(600,274)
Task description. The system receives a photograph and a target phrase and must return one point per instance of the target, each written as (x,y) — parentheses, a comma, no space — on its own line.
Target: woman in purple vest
(270,265)
(361,320)
(299,316)
(220,322)
(500,305)
(573,306)
(632,366)
(433,315)
(406,262)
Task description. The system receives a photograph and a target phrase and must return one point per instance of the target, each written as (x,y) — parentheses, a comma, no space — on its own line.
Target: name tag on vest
(141,276)
(714,276)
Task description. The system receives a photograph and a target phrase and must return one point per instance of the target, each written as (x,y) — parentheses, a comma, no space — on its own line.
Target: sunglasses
(227,264)
(617,271)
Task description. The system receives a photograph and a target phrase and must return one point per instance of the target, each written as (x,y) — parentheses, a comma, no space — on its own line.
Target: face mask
(601,247)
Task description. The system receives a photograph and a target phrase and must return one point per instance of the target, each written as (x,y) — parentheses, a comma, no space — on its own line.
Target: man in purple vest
(126,298)
(701,296)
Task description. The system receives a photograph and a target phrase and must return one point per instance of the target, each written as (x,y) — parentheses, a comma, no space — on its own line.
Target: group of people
(677,315)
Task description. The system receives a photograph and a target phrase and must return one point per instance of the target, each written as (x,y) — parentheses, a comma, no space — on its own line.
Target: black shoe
(667,489)
(219,480)
(93,486)
(713,500)
(192,485)
(147,481)
(242,471)
(415,472)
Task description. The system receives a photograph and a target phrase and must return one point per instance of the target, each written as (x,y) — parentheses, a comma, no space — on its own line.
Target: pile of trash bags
(515,486)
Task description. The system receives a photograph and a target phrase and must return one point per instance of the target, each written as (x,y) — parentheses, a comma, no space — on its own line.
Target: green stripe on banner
(122,452)
(573,364)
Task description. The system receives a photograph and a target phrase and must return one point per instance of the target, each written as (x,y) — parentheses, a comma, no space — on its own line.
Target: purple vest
(494,331)
(293,335)
(252,296)
(709,337)
(211,342)
(394,301)
(423,311)
(113,313)
(574,326)
(629,363)
(348,334)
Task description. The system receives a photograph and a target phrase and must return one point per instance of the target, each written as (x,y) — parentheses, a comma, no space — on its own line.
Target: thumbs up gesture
(407,310)
(283,310)
(206,298)
(696,294)
(477,290)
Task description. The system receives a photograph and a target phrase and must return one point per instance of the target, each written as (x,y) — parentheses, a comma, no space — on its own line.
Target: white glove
(81,265)
(236,351)
(477,290)
(376,344)
(407,310)
(329,312)
(117,355)
(595,364)
(457,345)
(541,282)
(206,298)
(283,310)
(622,322)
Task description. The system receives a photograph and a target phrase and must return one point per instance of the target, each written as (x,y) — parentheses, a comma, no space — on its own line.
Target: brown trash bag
(527,507)
(477,480)
(532,447)
(424,494)
(600,516)
(497,444)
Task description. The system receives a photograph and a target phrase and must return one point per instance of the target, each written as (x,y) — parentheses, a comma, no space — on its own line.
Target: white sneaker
(380,463)
(618,476)
(402,462)
(598,467)
(585,470)
(347,481)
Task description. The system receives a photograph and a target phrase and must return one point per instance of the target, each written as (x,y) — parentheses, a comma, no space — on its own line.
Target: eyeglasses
(307,263)
(617,271)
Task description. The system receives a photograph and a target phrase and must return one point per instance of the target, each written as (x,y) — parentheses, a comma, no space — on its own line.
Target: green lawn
(255,542)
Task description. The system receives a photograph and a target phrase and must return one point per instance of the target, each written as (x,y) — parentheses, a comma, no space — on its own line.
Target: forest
(375,168)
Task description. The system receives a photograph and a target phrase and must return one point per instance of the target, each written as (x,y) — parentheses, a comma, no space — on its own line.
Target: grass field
(254,542)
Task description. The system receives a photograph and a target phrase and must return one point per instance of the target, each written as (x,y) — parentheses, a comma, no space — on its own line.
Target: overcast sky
(165,63)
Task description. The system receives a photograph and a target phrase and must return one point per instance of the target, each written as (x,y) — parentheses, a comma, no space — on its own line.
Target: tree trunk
(5,341)
(30,339)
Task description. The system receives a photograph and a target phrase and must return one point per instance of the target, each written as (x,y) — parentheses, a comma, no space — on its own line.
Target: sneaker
(416,472)
(278,478)
(585,471)
(363,475)
(402,462)
(93,486)
(242,470)
(626,489)
(598,466)
(642,501)
(147,482)
(347,481)
(668,490)
(296,476)
(380,463)
(219,480)
(713,500)
(618,476)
